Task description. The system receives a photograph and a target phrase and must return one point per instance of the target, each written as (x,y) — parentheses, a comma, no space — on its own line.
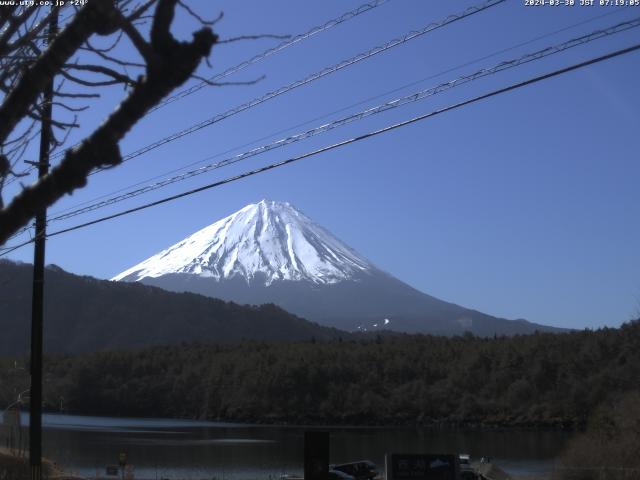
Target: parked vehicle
(333,475)
(466,470)
(338,475)
(363,470)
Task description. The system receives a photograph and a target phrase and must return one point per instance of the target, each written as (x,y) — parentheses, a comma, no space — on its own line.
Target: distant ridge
(270,252)
(84,314)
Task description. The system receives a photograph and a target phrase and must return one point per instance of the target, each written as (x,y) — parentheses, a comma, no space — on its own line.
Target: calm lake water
(181,449)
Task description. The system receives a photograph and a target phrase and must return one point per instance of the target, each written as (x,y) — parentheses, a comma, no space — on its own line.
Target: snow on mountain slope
(265,241)
(270,252)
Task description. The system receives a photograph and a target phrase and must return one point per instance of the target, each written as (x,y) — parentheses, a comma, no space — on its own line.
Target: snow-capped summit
(270,252)
(263,242)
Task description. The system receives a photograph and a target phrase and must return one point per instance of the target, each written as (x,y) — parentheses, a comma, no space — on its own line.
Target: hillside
(539,380)
(271,252)
(85,314)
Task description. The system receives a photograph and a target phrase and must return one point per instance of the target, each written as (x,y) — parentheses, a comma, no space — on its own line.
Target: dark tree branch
(107,49)
(161,39)
(21,136)
(93,18)
(76,95)
(191,12)
(88,83)
(31,33)
(145,50)
(117,77)
(5,14)
(117,61)
(69,108)
(172,63)
(254,37)
(140,11)
(14,26)
(59,143)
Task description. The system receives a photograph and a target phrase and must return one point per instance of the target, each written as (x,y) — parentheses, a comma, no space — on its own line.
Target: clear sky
(525,205)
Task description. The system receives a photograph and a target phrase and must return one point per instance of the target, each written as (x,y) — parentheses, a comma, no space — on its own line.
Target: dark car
(363,470)
(338,475)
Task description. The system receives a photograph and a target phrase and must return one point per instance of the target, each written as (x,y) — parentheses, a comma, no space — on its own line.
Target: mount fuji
(270,252)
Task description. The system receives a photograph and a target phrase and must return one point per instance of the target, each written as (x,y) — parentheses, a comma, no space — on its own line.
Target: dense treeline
(610,448)
(84,314)
(535,380)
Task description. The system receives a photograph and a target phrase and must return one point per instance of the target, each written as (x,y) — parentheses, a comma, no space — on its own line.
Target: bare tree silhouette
(83,56)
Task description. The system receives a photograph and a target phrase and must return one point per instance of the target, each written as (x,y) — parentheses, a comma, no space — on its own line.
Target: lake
(183,449)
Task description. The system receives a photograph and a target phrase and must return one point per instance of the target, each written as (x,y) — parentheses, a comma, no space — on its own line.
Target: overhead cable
(311,78)
(349,141)
(359,9)
(398,102)
(298,38)
(265,54)
(342,109)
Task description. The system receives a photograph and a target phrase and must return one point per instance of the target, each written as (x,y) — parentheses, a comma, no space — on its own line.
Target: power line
(396,103)
(13,248)
(265,54)
(62,23)
(343,143)
(504,50)
(298,38)
(347,15)
(361,102)
(311,78)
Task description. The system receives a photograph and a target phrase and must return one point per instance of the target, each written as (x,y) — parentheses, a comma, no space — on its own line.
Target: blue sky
(521,206)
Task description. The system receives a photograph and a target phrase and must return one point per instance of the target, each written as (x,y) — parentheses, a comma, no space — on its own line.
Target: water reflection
(195,449)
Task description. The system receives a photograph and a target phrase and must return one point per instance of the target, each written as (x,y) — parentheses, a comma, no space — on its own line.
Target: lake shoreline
(430,424)
(191,448)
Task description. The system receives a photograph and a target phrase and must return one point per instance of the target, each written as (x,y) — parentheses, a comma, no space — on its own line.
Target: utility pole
(37,300)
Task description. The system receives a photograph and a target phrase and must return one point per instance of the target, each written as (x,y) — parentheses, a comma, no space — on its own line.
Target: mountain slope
(85,314)
(264,242)
(270,252)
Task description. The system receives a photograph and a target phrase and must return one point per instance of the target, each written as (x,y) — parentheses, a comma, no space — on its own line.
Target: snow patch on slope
(267,240)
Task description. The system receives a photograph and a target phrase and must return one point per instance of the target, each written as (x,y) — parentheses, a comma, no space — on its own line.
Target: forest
(84,314)
(540,380)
